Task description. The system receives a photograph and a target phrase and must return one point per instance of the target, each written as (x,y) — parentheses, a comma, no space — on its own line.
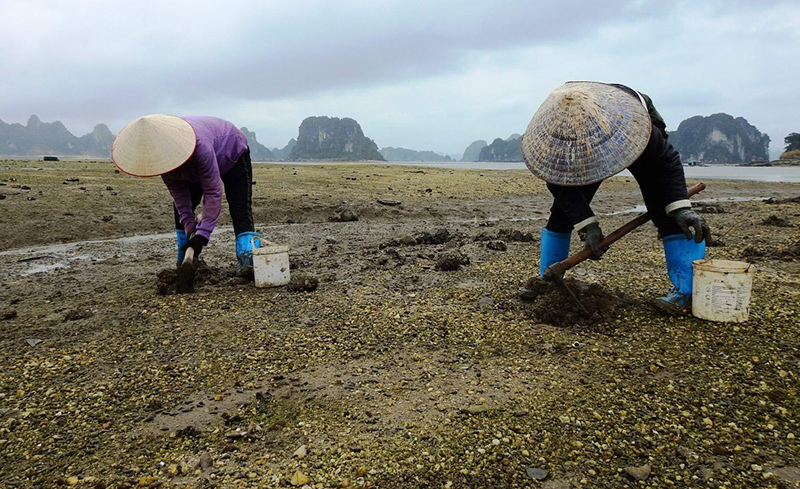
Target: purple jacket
(219,146)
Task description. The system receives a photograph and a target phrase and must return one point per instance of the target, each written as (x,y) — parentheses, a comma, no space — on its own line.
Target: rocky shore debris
(302,283)
(205,275)
(641,473)
(706,208)
(347,215)
(433,237)
(451,261)
(789,200)
(7,313)
(774,220)
(497,245)
(548,303)
(508,235)
(536,473)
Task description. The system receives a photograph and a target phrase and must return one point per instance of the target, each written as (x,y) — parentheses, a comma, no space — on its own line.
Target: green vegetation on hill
(719,138)
(403,154)
(331,138)
(792,149)
(473,151)
(39,138)
(503,150)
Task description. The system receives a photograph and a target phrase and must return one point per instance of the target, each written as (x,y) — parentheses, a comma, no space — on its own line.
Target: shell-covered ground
(393,372)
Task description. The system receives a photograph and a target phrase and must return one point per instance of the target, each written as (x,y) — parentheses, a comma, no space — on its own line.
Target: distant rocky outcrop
(509,149)
(473,151)
(283,153)
(403,154)
(331,138)
(719,138)
(39,138)
(258,152)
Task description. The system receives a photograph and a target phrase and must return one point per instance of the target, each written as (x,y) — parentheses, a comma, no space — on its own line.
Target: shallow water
(715,172)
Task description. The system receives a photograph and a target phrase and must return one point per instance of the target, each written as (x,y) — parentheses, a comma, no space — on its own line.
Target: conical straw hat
(153,144)
(584,132)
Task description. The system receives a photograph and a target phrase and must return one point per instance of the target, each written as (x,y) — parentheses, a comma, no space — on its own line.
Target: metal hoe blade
(559,280)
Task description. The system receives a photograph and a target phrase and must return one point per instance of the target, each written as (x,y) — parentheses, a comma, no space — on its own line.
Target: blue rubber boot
(680,253)
(245,242)
(182,239)
(555,247)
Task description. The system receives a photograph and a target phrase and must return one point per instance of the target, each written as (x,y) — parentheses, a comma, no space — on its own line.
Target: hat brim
(153,145)
(585,132)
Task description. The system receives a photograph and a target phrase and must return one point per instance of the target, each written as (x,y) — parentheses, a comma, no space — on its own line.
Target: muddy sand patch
(549,303)
(205,276)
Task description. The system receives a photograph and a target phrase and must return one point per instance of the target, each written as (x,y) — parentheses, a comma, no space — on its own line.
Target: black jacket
(659,159)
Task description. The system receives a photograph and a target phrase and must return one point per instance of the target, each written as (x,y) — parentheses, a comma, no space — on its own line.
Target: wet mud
(206,277)
(549,303)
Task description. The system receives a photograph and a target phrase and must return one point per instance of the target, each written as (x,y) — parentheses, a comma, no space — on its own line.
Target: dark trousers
(653,191)
(238,183)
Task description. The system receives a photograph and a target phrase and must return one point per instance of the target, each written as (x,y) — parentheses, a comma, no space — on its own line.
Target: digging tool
(186,273)
(556,271)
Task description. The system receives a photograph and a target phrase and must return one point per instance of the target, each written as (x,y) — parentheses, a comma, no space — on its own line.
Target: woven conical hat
(153,144)
(584,132)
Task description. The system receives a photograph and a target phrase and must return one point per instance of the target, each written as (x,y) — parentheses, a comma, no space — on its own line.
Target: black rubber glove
(686,219)
(196,242)
(592,234)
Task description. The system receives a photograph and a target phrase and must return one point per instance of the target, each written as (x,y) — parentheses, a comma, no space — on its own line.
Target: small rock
(301,452)
(688,455)
(235,435)
(348,215)
(299,479)
(33,341)
(475,409)
(107,218)
(486,302)
(73,481)
(536,473)
(206,462)
(6,314)
(77,314)
(302,283)
(109,187)
(389,202)
(705,473)
(438,236)
(146,480)
(173,470)
(451,260)
(638,473)
(407,240)
(497,245)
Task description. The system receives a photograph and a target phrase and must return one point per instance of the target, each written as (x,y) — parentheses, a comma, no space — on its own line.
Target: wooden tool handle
(583,254)
(188,257)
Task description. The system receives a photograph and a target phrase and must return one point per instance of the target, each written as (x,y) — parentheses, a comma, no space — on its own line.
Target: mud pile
(549,303)
(205,276)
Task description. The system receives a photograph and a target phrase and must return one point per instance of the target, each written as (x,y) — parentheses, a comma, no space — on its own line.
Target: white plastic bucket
(271,265)
(721,290)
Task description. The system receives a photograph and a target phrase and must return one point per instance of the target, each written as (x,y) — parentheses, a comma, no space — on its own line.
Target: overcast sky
(426,75)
